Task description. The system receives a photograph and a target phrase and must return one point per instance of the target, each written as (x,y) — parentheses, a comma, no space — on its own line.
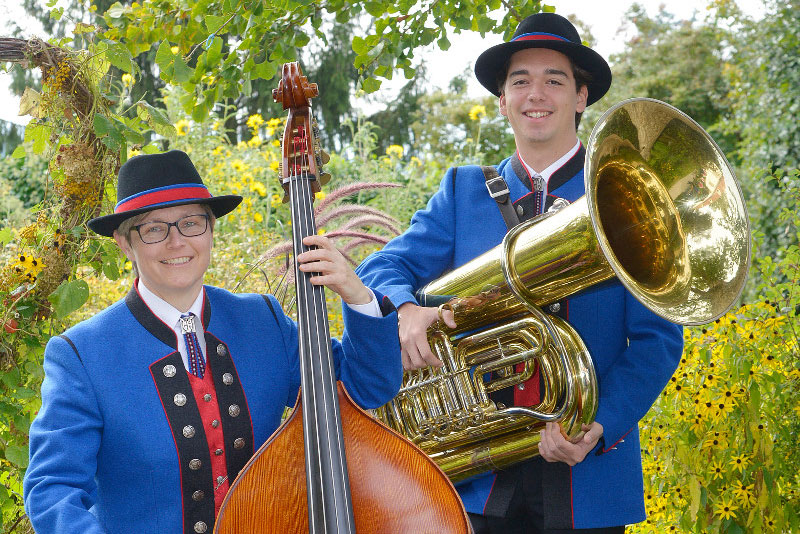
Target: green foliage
(720,444)
(765,78)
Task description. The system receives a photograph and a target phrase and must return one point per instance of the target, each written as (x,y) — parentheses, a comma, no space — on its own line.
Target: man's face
(174,268)
(540,100)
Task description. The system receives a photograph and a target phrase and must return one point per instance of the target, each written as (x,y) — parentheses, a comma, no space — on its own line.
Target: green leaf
(118,56)
(82,27)
(214,23)
(360,45)
(69,296)
(443,43)
(56,13)
(164,55)
(116,10)
(38,135)
(17,455)
(183,72)
(110,269)
(6,235)
(265,70)
(370,85)
(19,152)
(214,52)
(156,119)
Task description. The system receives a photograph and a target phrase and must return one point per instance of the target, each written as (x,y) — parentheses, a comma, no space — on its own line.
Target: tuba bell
(662,212)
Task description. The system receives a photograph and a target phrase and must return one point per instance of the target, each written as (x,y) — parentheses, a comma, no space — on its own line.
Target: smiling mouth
(537,114)
(177,261)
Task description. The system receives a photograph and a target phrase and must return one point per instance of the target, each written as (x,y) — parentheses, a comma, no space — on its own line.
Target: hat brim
(221,205)
(491,61)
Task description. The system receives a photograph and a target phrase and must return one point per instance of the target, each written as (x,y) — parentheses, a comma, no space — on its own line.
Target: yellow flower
(254,141)
(128,266)
(725,509)
(275,201)
(321,231)
(739,462)
(270,131)
(175,50)
(127,79)
(274,123)
(477,112)
(133,152)
(319,195)
(276,143)
(416,161)
(717,469)
(216,126)
(259,188)
(257,217)
(183,126)
(254,121)
(394,151)
(218,151)
(238,165)
(274,166)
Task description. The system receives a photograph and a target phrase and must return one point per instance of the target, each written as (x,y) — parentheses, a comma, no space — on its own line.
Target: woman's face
(174,268)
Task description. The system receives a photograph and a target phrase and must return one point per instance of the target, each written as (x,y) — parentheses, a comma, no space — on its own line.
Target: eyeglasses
(157,231)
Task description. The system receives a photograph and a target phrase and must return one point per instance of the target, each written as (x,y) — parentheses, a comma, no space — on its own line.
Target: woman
(151,407)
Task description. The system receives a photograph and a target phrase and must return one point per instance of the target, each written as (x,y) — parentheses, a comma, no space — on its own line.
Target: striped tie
(197,364)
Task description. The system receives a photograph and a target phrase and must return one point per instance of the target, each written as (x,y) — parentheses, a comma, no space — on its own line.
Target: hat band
(163,195)
(539,36)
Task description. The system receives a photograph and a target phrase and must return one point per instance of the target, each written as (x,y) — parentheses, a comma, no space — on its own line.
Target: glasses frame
(169,227)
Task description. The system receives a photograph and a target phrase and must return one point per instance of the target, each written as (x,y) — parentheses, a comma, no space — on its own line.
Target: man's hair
(125,228)
(582,78)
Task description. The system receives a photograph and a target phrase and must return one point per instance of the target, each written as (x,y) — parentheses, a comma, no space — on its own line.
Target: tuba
(662,212)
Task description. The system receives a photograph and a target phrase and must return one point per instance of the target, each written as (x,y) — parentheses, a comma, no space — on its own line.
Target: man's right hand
(413,323)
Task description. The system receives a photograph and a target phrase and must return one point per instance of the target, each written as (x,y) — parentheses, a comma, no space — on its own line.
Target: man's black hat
(153,181)
(545,30)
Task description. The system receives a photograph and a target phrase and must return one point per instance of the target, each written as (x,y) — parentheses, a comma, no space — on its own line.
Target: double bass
(330,468)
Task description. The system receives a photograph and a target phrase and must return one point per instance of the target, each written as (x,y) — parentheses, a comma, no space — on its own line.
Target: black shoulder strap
(498,190)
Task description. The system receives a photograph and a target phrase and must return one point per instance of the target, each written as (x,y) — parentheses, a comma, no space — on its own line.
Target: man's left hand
(555,447)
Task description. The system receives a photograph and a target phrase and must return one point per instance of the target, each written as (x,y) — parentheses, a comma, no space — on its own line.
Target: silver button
(238,443)
(227,379)
(221,350)
(520,210)
(218,452)
(195,464)
(521,387)
(198,495)
(200,527)
(169,371)
(555,307)
(188,431)
(215,423)
(207,397)
(234,410)
(180,399)
(220,480)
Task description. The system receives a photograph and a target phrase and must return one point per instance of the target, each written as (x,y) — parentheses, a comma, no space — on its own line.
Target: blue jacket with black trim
(634,351)
(108,456)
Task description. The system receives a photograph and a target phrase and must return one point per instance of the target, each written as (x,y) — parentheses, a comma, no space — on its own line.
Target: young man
(544,78)
(152,407)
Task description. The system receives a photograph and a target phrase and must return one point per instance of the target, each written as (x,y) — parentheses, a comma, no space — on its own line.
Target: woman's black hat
(154,181)
(545,30)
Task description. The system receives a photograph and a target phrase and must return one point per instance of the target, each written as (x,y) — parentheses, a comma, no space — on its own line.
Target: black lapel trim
(387,306)
(526,207)
(147,319)
(206,310)
(183,416)
(237,426)
(521,172)
(567,171)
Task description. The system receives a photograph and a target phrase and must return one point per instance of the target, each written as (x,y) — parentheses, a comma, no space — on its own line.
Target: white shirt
(553,167)
(170,316)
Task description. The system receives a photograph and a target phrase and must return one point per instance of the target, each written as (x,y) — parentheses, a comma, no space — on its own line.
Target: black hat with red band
(154,181)
(545,30)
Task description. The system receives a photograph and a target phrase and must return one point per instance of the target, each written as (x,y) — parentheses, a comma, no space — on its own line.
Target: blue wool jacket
(108,456)
(634,351)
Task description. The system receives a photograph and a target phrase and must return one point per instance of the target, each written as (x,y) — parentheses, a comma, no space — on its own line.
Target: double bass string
(320,386)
